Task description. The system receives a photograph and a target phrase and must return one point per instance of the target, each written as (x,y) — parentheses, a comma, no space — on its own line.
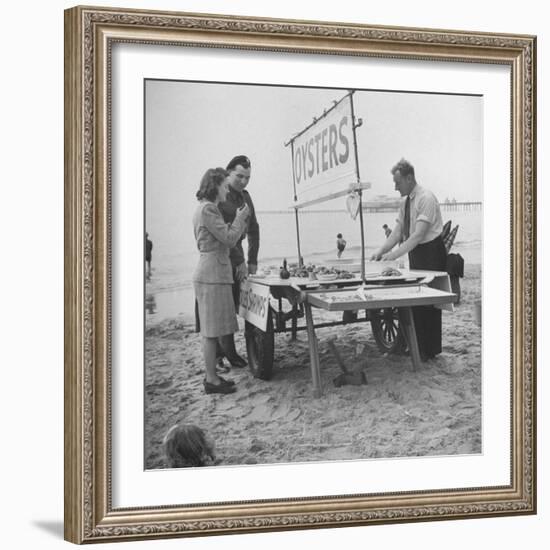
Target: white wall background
(31,397)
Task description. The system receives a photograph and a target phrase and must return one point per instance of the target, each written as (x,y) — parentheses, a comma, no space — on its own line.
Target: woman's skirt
(215,309)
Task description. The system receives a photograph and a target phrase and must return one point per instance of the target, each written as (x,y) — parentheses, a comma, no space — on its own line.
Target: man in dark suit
(239,169)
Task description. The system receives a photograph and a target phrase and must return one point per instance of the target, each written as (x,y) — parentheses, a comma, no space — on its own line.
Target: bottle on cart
(284,273)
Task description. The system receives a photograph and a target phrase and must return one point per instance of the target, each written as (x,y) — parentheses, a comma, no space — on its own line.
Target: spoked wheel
(260,347)
(386,330)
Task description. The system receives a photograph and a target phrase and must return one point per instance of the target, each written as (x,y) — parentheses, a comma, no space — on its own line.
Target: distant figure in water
(187,446)
(387,230)
(340,244)
(148,255)
(150,304)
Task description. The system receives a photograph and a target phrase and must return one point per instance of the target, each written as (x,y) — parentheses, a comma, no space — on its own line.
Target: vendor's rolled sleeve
(424,207)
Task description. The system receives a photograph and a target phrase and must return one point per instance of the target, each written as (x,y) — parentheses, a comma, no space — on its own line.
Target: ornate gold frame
(89,35)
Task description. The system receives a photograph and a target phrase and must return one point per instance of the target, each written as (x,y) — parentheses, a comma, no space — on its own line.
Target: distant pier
(446,206)
(461,206)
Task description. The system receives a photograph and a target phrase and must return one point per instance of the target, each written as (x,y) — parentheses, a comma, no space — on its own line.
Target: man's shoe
(221,367)
(237,361)
(223,387)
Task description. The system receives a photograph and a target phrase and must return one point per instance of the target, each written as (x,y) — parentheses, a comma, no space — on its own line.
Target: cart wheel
(386,330)
(260,347)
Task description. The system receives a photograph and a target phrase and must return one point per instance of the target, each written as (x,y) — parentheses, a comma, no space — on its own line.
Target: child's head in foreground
(187,446)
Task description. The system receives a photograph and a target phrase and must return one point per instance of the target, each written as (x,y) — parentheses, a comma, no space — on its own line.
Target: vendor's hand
(252,268)
(390,256)
(241,272)
(376,256)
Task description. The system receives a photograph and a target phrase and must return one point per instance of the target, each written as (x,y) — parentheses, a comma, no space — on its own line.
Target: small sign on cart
(254,303)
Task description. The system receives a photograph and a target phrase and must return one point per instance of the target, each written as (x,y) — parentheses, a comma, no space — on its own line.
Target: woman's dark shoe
(227,382)
(237,361)
(223,387)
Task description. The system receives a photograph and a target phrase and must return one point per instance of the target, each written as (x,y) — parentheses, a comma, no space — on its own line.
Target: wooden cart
(387,309)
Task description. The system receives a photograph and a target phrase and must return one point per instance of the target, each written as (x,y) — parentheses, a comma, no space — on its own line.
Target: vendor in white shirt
(417,233)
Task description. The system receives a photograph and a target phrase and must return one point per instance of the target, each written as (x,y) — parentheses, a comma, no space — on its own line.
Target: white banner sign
(323,156)
(254,303)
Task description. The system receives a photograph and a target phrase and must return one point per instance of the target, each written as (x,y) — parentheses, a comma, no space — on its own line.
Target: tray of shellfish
(329,272)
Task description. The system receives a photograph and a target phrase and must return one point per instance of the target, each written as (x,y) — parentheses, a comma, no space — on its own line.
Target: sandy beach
(399,413)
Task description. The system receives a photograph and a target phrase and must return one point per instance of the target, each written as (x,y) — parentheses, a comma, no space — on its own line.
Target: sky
(192,126)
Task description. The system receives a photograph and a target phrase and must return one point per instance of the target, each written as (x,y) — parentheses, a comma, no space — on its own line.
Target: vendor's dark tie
(407,219)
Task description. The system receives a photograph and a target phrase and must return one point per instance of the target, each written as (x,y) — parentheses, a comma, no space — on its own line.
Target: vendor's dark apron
(427,319)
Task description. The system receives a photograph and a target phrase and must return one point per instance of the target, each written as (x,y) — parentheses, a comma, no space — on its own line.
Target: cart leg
(294,332)
(280,319)
(410,331)
(313,352)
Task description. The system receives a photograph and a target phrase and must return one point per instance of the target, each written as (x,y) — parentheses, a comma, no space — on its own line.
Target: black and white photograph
(300,258)
(312,274)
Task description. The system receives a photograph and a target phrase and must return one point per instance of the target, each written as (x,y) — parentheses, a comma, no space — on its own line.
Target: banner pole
(296,209)
(360,191)
(300,263)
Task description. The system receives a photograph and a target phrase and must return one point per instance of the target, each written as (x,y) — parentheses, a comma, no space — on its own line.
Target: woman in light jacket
(213,277)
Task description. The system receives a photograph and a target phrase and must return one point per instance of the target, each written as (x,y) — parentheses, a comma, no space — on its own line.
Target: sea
(169,291)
